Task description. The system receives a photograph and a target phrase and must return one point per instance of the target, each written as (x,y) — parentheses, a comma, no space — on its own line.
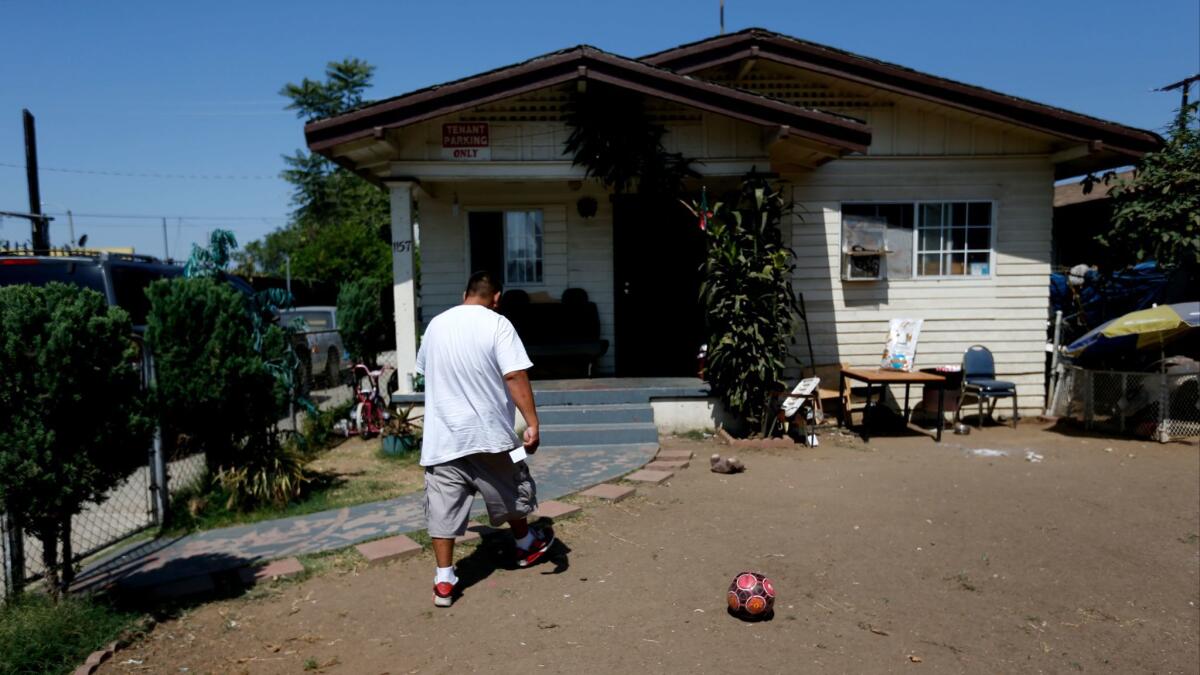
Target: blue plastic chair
(979,380)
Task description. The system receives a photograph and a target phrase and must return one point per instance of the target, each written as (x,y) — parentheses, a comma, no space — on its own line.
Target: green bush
(72,421)
(212,384)
(40,636)
(365,328)
(749,305)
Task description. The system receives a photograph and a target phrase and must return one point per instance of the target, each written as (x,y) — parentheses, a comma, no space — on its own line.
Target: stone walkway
(176,562)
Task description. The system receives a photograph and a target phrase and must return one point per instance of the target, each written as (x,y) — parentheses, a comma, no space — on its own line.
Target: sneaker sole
(525,562)
(442,602)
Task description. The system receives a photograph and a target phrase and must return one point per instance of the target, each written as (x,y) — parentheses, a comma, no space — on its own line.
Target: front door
(658,250)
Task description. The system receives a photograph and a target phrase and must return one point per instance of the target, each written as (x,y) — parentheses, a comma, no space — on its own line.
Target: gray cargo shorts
(507,488)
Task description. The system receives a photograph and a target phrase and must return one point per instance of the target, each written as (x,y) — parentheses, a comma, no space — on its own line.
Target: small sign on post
(466,141)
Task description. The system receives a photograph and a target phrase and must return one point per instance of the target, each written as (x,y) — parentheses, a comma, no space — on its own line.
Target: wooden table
(877,376)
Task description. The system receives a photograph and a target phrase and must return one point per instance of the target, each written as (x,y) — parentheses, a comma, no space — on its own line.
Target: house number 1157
(402,246)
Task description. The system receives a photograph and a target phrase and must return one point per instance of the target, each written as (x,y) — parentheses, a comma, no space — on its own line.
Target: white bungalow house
(954,182)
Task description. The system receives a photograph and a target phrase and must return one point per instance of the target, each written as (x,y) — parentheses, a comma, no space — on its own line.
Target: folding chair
(979,380)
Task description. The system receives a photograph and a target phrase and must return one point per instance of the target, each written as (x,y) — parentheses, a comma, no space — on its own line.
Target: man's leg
(443,551)
(448,494)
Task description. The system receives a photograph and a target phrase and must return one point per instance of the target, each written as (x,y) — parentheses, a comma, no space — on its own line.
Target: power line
(156,217)
(134,174)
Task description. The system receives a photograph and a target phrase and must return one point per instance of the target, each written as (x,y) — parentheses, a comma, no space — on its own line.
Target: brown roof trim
(584,62)
(759,43)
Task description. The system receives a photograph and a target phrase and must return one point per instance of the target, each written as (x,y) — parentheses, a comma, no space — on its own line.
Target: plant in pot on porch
(401,434)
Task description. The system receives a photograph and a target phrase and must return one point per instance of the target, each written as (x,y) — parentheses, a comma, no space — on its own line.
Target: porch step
(601,395)
(621,433)
(596,414)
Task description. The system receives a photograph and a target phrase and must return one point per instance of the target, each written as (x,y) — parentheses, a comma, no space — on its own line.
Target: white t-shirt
(465,354)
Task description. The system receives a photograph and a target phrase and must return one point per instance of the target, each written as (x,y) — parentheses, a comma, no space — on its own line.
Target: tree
(211,384)
(363,324)
(1156,214)
(340,229)
(72,422)
(749,304)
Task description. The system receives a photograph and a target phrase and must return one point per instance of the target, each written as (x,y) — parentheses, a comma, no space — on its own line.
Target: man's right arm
(522,395)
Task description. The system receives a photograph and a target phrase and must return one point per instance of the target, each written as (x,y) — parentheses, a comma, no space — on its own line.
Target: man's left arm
(522,395)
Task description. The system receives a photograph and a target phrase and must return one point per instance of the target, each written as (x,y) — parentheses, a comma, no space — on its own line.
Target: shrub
(749,304)
(211,383)
(72,421)
(364,326)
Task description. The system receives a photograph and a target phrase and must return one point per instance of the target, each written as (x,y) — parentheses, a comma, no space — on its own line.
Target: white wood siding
(1006,312)
(577,252)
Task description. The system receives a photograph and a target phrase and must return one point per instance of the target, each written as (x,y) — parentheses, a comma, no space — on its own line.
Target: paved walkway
(558,471)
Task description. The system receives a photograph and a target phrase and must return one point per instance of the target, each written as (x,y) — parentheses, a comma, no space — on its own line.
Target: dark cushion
(574,296)
(991,386)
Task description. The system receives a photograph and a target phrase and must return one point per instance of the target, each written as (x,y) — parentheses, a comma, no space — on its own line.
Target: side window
(955,239)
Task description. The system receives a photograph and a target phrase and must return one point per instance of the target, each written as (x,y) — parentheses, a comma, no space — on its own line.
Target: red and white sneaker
(543,539)
(443,594)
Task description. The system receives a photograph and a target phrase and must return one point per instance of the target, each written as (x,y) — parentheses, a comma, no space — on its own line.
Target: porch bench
(562,338)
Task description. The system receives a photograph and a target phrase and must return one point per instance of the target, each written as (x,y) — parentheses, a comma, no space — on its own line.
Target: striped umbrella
(1144,329)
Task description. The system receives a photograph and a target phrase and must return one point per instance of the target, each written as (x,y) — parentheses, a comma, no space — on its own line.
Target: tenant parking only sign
(466,141)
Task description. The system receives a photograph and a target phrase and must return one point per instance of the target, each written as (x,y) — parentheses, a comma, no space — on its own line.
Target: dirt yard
(898,556)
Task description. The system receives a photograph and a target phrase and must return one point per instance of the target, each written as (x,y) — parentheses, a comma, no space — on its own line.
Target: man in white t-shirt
(474,365)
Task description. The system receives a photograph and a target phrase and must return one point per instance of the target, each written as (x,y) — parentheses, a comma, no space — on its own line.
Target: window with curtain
(523,247)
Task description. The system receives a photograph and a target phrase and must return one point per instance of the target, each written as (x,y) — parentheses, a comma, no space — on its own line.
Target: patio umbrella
(1143,329)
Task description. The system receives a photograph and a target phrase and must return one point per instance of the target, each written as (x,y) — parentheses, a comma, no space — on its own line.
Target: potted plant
(401,434)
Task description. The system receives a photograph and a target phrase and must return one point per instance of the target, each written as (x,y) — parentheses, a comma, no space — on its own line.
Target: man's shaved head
(483,285)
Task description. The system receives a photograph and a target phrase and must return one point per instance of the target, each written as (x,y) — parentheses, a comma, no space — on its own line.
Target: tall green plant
(750,307)
(364,327)
(72,422)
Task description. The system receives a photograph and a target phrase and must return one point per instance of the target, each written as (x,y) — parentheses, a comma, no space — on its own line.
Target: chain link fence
(126,510)
(1160,406)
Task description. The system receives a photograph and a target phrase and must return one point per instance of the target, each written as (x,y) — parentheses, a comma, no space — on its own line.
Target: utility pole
(166,251)
(722,17)
(41,236)
(71,225)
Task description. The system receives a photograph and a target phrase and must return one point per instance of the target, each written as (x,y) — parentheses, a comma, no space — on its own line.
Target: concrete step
(601,395)
(596,414)
(599,434)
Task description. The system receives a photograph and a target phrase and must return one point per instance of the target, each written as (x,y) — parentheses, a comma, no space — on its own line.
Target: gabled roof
(763,44)
(843,133)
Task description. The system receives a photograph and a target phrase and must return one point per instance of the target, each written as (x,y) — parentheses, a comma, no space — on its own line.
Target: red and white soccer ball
(751,596)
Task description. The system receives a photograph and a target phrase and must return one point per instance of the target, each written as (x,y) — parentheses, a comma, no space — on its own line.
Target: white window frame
(917,205)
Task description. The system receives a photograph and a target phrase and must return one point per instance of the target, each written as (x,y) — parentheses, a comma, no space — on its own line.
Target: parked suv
(319,325)
(120,278)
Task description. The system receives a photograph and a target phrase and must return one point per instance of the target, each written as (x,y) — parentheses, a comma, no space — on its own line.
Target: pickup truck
(319,326)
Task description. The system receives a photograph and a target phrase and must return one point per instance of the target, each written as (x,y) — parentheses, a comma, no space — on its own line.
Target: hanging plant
(614,138)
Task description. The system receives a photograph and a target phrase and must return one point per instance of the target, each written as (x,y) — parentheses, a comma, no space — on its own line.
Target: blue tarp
(1102,298)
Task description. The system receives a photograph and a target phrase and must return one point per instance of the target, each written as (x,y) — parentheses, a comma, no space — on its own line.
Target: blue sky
(190,89)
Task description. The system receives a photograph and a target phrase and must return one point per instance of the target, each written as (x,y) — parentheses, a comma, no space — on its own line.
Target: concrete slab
(398,547)
(609,492)
(276,569)
(552,509)
(667,465)
(647,476)
(674,454)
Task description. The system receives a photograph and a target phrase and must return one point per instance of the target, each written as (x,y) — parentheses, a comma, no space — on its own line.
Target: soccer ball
(751,596)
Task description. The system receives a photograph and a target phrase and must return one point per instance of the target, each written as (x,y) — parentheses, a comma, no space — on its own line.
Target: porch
(618,412)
